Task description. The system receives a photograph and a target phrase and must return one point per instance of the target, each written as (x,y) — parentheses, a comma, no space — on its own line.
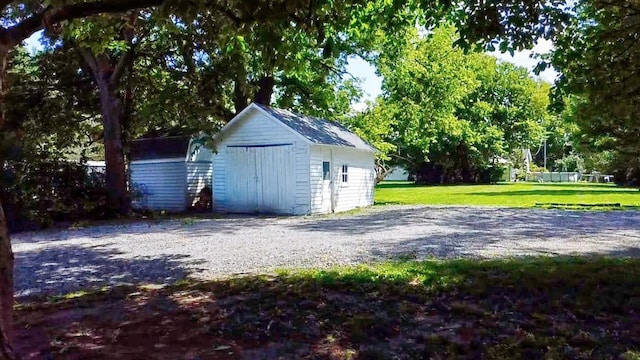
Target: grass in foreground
(535,308)
(570,196)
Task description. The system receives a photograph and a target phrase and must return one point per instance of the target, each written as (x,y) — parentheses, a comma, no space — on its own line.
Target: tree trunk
(106,77)
(127,109)
(6,254)
(240,98)
(112,119)
(265,90)
(6,290)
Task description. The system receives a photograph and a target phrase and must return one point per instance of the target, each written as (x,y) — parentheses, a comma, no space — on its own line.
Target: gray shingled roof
(319,131)
(160,148)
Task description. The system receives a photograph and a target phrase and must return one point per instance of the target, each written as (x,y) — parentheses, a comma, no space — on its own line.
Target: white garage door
(261,179)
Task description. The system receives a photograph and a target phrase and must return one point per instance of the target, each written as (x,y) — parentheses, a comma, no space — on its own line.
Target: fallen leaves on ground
(565,308)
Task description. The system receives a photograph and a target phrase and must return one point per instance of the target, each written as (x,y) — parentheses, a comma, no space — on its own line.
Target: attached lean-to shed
(170,173)
(275,161)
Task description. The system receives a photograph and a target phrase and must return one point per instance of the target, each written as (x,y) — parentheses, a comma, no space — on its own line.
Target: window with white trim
(345,174)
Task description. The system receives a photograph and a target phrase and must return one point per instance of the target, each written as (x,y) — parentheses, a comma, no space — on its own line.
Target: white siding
(165,182)
(315,165)
(302,183)
(199,175)
(259,130)
(219,181)
(359,190)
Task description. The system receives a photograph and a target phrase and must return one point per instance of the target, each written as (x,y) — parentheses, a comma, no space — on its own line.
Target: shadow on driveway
(221,224)
(525,222)
(468,231)
(61,270)
(165,252)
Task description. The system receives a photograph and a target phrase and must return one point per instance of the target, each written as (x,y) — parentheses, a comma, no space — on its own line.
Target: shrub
(47,191)
(627,170)
(493,174)
(570,163)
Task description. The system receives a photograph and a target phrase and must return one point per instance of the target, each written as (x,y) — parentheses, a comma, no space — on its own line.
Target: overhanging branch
(127,57)
(90,60)
(125,60)
(51,16)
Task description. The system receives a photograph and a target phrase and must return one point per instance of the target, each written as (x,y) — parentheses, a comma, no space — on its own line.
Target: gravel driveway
(54,262)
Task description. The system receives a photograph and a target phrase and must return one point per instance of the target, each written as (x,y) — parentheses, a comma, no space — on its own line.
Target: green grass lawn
(510,195)
(528,308)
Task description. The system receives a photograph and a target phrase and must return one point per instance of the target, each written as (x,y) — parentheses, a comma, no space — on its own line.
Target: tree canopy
(597,56)
(452,116)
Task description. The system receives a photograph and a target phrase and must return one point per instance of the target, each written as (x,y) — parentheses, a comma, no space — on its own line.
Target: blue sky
(33,43)
(372,83)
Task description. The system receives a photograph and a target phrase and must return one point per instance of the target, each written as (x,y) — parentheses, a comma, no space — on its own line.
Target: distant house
(169,172)
(275,161)
(95,167)
(397,173)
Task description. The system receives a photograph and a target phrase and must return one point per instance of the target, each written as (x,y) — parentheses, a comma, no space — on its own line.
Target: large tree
(18,22)
(598,55)
(108,69)
(452,115)
(210,52)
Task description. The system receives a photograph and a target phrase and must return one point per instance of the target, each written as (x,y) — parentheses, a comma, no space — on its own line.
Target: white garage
(276,162)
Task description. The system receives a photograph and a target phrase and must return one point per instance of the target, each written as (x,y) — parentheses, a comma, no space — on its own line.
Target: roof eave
(370,150)
(253,106)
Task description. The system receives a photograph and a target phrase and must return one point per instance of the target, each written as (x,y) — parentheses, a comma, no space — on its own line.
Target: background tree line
(453,117)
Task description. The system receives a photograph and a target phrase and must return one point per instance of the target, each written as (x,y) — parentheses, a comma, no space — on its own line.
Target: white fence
(597,177)
(553,176)
(566,177)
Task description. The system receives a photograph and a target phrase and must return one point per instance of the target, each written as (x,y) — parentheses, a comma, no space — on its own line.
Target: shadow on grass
(559,192)
(408,184)
(397,185)
(520,308)
(384,203)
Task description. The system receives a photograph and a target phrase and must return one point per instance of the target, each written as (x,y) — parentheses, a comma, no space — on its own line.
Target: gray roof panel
(160,148)
(319,131)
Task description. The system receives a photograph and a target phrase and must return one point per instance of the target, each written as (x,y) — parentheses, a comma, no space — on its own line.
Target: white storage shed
(275,161)
(169,173)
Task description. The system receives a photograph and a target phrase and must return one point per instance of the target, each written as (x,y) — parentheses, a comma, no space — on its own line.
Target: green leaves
(455,111)
(597,55)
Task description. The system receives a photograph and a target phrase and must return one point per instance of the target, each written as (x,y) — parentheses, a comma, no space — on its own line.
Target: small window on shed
(326,171)
(345,173)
